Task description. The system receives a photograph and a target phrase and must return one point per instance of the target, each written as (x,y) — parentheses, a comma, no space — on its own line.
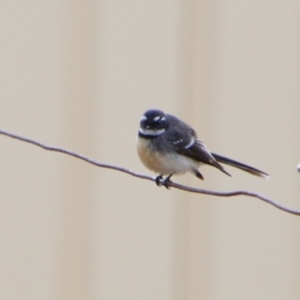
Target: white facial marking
(156,118)
(163,119)
(190,144)
(143,118)
(151,132)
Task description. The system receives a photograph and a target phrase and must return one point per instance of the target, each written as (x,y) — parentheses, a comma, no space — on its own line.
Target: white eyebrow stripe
(190,144)
(143,118)
(156,118)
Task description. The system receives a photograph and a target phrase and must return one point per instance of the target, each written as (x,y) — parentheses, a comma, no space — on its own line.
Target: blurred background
(79,75)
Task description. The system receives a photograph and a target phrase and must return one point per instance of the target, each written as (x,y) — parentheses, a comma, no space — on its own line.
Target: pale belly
(164,164)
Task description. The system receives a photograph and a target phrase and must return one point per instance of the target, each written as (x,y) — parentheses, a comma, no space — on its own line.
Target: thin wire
(142,176)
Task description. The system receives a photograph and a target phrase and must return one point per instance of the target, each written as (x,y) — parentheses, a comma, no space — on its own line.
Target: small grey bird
(168,146)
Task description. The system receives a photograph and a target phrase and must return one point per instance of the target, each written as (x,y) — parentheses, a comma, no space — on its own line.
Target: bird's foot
(159,180)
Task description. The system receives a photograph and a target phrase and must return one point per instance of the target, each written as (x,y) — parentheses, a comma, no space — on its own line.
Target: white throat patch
(151,132)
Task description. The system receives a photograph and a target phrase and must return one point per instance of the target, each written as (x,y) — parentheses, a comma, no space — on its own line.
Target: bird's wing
(187,144)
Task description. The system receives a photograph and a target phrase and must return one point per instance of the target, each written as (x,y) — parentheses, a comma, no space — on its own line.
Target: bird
(167,145)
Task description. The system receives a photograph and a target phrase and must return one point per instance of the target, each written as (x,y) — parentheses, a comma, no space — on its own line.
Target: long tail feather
(239,165)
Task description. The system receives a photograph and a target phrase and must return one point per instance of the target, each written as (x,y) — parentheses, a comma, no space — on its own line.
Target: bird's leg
(158,180)
(165,182)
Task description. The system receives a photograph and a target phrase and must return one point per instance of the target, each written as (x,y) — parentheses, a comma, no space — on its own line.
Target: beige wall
(79,74)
